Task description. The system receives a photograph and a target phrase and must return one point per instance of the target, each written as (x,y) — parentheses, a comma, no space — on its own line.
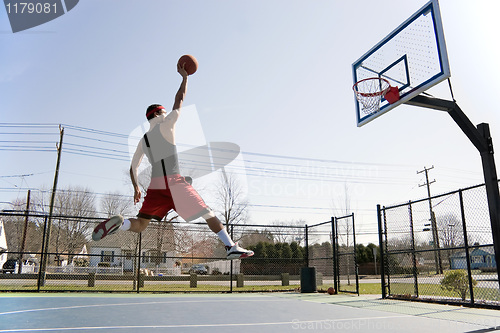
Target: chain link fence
(440,249)
(58,255)
(346,263)
(320,253)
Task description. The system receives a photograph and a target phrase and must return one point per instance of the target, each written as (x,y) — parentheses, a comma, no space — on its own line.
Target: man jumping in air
(168,189)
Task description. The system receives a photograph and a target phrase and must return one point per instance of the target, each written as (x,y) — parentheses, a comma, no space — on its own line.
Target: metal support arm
(481,139)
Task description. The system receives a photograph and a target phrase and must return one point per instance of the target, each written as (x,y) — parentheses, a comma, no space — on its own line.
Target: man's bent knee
(139,224)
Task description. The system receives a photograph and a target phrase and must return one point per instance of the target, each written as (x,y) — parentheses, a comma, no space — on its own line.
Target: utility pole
(25,230)
(435,236)
(43,265)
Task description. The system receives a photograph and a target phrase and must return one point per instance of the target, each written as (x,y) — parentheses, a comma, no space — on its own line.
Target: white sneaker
(107,227)
(236,252)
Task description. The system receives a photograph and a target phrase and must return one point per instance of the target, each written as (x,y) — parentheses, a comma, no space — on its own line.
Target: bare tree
(231,199)
(345,228)
(114,203)
(450,230)
(450,233)
(14,230)
(288,231)
(71,225)
(194,241)
(255,236)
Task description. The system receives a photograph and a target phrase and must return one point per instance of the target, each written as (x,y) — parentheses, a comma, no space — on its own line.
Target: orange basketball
(331,291)
(190,63)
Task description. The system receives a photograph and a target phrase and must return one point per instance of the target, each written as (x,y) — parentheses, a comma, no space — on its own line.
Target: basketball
(331,291)
(190,63)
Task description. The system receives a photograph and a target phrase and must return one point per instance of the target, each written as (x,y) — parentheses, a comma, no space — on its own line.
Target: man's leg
(214,224)
(233,250)
(136,224)
(107,227)
(116,223)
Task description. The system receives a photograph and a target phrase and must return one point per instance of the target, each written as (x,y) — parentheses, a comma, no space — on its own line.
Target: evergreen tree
(286,251)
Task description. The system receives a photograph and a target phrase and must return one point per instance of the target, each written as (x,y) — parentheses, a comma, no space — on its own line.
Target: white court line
(136,303)
(293,322)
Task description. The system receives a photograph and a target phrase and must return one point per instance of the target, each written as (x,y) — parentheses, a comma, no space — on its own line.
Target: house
(3,245)
(65,259)
(479,258)
(82,255)
(121,249)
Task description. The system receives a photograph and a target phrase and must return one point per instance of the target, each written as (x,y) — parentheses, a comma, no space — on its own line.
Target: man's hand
(182,71)
(137,195)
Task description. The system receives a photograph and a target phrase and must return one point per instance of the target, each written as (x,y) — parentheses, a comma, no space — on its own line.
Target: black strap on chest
(151,154)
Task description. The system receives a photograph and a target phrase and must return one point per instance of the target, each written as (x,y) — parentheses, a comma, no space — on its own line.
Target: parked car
(9,266)
(198,269)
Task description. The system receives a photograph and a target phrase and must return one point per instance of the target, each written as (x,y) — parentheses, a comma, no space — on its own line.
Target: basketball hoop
(369,93)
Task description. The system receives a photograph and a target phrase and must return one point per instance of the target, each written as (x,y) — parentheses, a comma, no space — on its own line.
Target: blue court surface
(236,313)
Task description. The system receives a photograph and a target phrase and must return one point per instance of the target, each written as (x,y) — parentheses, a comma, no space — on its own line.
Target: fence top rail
(45,215)
(32,214)
(333,217)
(454,248)
(433,197)
(345,217)
(318,224)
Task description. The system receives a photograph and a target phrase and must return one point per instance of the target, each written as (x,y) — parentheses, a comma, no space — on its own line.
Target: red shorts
(172,192)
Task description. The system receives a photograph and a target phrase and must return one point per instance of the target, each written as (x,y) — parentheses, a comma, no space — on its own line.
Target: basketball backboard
(413,57)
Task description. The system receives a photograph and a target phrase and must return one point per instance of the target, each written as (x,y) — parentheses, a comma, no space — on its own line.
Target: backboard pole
(481,138)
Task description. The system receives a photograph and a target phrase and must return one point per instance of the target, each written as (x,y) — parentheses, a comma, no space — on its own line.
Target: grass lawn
(149,287)
(403,289)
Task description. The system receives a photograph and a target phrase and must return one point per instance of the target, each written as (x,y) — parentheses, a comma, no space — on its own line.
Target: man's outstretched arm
(134,168)
(181,93)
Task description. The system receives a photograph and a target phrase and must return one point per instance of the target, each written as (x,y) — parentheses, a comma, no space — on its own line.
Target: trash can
(308,280)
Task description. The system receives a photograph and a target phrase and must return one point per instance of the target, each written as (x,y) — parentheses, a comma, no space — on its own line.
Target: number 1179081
(31,8)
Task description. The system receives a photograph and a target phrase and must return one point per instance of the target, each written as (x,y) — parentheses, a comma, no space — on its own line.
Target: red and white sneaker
(107,227)
(237,252)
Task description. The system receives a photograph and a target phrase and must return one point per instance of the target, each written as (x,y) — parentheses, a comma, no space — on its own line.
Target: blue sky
(275,78)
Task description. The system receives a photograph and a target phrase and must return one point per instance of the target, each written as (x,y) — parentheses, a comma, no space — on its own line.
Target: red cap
(154,110)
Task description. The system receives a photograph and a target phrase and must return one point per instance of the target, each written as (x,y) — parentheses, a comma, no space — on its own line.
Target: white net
(369,93)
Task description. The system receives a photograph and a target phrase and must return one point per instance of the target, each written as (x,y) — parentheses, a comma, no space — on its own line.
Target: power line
(88,142)
(281,170)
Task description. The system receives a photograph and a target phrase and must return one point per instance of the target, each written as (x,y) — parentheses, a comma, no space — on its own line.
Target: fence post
(466,246)
(231,269)
(193,280)
(338,252)
(138,275)
(335,256)
(414,259)
(382,252)
(91,281)
(355,256)
(239,280)
(319,279)
(307,245)
(386,250)
(285,279)
(141,280)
